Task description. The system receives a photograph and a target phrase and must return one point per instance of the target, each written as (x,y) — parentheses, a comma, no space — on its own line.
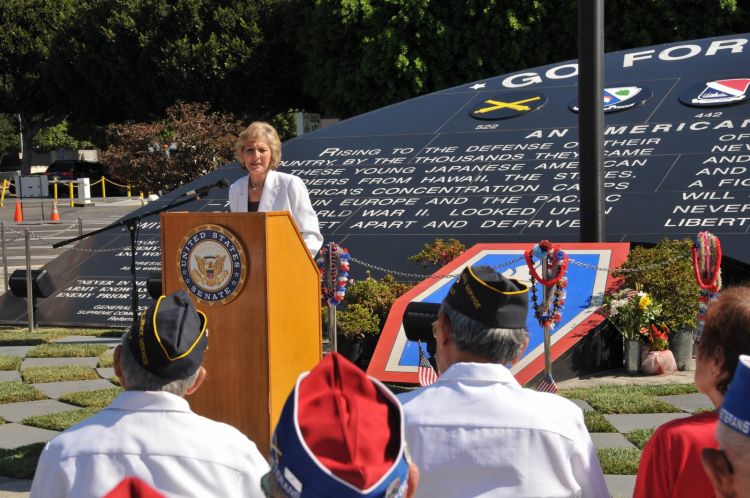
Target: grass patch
(595,422)
(639,437)
(20,463)
(703,410)
(35,375)
(10,362)
(20,336)
(54,350)
(15,392)
(114,380)
(624,399)
(61,420)
(98,399)
(619,461)
(107,359)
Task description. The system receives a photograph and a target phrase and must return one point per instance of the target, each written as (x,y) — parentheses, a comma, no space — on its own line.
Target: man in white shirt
(149,430)
(729,467)
(476,431)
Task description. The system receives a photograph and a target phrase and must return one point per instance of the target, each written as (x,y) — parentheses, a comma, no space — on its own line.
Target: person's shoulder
(409,396)
(687,427)
(224,433)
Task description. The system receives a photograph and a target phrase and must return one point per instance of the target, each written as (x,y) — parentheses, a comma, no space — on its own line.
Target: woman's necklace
(258,186)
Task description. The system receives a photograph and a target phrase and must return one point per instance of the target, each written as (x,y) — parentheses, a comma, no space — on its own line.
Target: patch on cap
(735,411)
(171,338)
(489,297)
(340,434)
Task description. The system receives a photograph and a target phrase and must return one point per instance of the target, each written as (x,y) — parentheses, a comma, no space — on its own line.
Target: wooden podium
(269,332)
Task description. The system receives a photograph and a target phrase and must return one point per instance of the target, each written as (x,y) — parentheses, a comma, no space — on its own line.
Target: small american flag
(547,384)
(427,374)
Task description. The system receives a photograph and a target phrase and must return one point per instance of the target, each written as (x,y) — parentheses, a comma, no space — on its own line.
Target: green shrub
(378,296)
(439,252)
(667,275)
(357,320)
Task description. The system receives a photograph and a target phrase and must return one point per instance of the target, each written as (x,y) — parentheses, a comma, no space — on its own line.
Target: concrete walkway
(14,434)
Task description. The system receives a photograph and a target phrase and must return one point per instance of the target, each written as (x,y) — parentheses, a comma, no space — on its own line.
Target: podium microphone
(223,183)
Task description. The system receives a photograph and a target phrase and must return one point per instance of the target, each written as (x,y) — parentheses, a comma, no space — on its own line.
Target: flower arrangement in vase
(631,310)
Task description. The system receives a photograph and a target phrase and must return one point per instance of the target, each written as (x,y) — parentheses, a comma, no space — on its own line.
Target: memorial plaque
(677,152)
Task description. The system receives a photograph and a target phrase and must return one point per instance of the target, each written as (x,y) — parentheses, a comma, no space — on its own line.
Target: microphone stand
(132,224)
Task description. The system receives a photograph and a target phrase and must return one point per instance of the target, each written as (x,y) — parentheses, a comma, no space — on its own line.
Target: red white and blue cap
(340,435)
(735,411)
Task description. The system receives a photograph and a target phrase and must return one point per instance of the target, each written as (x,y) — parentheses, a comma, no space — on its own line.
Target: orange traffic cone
(18,217)
(55,214)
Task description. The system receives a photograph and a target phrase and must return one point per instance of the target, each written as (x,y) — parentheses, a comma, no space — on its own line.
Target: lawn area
(15,392)
(20,462)
(20,336)
(54,350)
(97,399)
(35,375)
(10,362)
(61,420)
(629,398)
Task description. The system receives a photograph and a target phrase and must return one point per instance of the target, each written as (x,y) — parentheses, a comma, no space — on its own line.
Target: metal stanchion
(29,287)
(5,257)
(80,226)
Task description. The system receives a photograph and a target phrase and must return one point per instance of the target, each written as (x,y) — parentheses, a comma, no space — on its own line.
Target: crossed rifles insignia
(509,105)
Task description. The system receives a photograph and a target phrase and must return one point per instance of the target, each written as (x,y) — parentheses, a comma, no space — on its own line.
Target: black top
(252,207)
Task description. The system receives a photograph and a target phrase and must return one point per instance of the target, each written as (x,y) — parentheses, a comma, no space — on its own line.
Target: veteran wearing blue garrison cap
(476,431)
(149,431)
(729,467)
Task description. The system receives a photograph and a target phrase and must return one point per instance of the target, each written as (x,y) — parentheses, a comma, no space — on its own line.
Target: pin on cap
(490,298)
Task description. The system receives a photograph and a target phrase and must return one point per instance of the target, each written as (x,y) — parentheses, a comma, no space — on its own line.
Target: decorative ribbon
(333,264)
(706,263)
(549,312)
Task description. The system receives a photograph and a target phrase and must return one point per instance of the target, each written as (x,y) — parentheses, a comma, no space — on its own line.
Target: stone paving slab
(583,405)
(91,361)
(56,389)
(85,339)
(628,422)
(15,435)
(610,440)
(689,402)
(620,486)
(106,373)
(14,488)
(15,412)
(9,375)
(15,350)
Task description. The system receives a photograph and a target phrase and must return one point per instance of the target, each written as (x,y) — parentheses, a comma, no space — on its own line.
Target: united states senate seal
(212,264)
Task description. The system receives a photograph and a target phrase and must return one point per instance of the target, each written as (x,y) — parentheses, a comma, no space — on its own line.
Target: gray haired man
(149,430)
(476,431)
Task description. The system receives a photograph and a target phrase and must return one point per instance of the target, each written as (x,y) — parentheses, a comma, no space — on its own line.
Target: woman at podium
(258,149)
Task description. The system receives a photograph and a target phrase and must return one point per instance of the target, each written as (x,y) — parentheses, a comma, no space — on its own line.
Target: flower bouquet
(630,310)
(659,359)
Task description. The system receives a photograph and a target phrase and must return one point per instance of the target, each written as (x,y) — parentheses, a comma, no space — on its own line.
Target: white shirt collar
(149,401)
(492,372)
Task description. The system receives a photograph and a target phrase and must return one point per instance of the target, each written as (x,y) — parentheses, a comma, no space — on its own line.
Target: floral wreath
(333,264)
(548,313)
(707,266)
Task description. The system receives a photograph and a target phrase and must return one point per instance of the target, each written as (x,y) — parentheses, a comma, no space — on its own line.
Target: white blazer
(282,192)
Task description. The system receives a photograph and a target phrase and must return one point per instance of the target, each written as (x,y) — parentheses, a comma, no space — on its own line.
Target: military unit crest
(707,94)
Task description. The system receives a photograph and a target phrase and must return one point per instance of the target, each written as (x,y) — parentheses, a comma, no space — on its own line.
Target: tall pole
(591,118)
(546,291)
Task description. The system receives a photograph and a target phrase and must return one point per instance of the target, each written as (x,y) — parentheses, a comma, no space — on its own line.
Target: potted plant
(630,310)
(666,273)
(352,325)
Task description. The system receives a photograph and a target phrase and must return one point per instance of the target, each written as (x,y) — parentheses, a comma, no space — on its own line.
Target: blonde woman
(258,150)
